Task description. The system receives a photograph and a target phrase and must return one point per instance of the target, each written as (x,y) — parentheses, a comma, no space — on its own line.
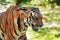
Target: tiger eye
(36,18)
(33,11)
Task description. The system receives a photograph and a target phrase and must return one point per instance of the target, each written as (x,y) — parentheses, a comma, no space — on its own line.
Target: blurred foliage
(58,35)
(37,2)
(21,2)
(44,34)
(54,1)
(53,17)
(3,2)
(58,2)
(31,2)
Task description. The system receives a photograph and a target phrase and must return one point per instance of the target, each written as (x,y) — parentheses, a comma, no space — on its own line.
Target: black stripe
(18,22)
(2,30)
(25,38)
(26,26)
(16,32)
(2,34)
(0,38)
(12,36)
(27,19)
(22,37)
(13,22)
(0,24)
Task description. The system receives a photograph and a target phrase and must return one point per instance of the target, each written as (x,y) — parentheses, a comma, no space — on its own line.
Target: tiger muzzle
(35,27)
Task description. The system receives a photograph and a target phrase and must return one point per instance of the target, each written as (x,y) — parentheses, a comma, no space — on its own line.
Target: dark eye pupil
(33,11)
(36,18)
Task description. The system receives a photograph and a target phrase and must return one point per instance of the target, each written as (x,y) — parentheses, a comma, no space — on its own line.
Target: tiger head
(33,17)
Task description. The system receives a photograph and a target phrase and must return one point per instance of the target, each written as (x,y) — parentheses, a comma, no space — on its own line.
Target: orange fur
(8,27)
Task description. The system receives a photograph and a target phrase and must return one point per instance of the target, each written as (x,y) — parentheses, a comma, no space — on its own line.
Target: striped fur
(15,21)
(9,25)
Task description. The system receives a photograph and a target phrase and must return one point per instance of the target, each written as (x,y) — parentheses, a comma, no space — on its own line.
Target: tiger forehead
(29,9)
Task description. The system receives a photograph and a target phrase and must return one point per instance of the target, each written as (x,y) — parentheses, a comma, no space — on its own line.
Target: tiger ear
(23,8)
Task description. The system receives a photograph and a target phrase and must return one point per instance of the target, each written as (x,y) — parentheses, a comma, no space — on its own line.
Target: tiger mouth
(36,27)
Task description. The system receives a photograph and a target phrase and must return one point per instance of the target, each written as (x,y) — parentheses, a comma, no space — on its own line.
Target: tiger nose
(41,24)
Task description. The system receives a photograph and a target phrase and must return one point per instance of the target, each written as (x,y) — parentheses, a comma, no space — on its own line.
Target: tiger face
(33,17)
(36,18)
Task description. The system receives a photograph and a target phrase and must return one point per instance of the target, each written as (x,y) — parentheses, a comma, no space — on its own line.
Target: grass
(44,34)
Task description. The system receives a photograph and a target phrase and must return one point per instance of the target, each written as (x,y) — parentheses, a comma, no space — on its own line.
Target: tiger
(14,22)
